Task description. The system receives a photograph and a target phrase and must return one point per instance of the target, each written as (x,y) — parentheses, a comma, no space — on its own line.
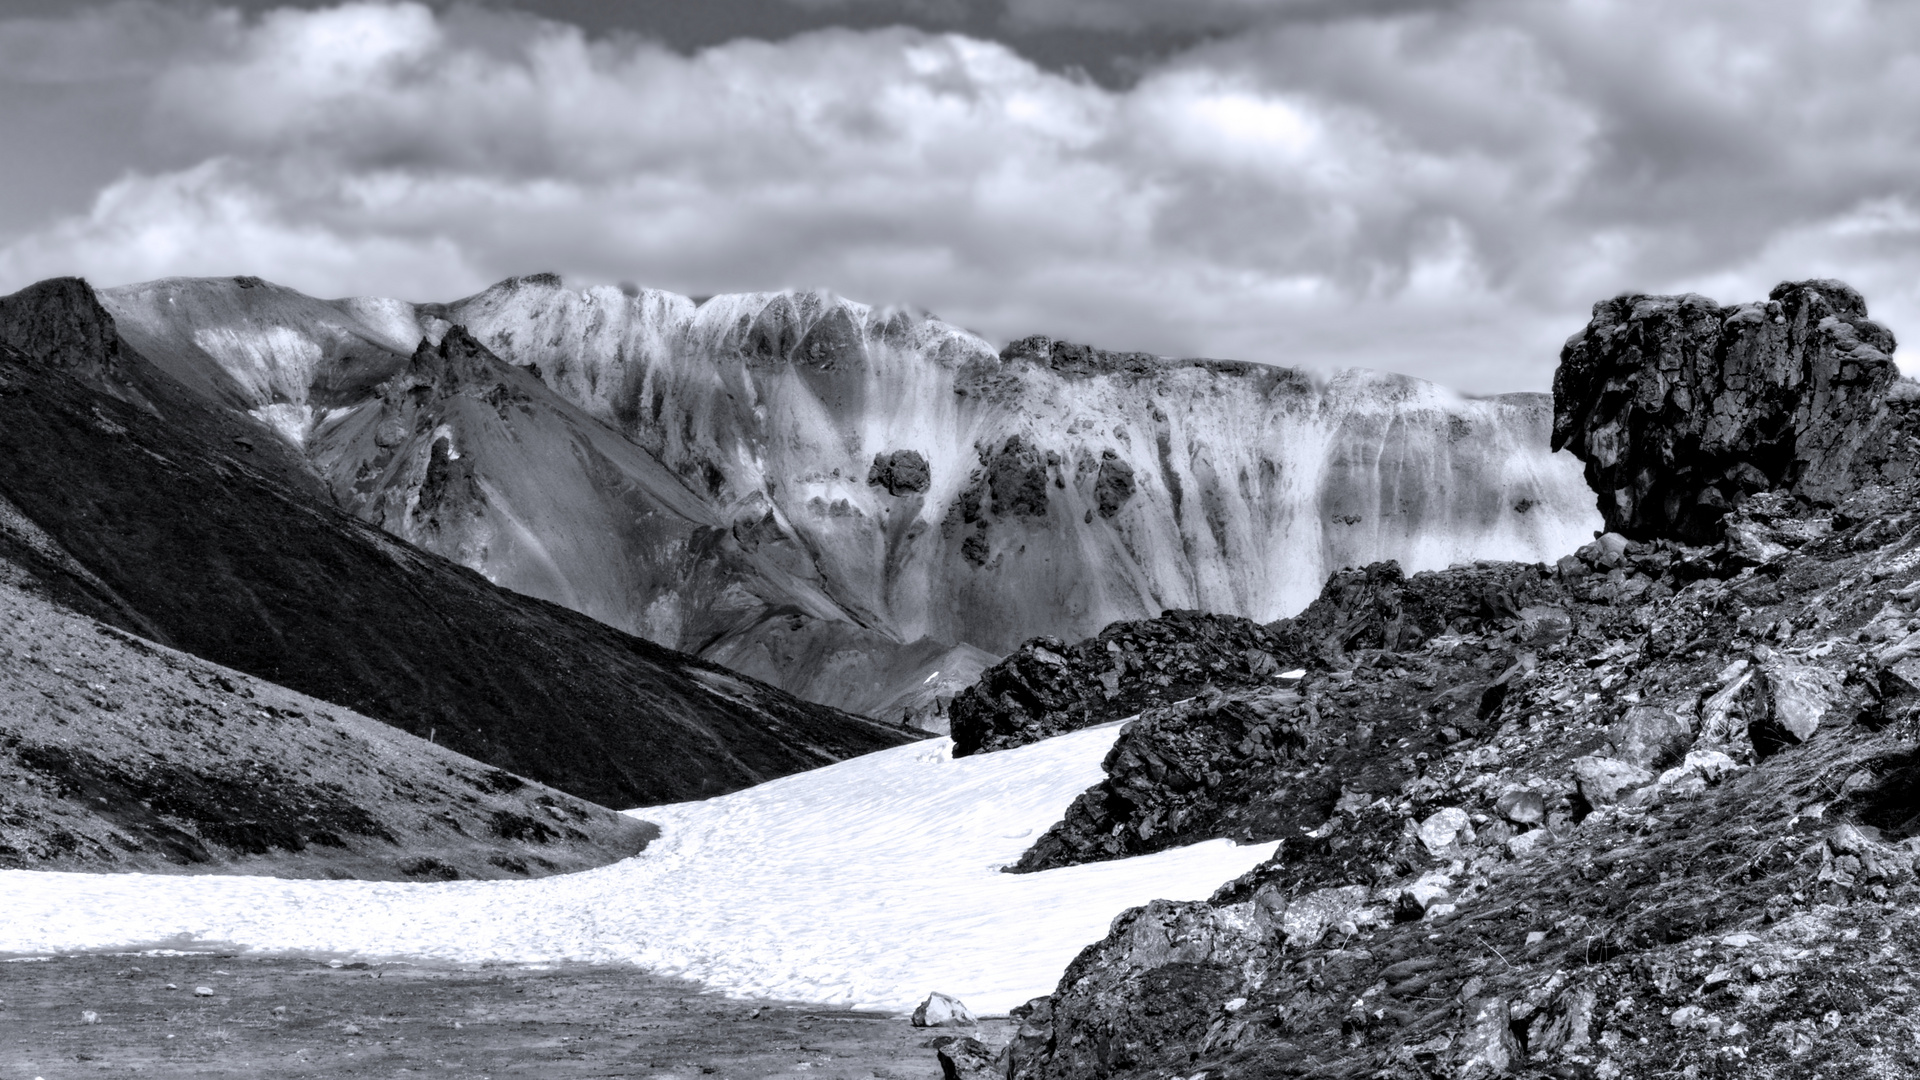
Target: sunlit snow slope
(868,883)
(1044,489)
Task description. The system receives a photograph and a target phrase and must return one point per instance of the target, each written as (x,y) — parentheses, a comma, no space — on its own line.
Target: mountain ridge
(1061,487)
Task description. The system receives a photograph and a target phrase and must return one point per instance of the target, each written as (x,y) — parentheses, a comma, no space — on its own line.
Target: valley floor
(865,884)
(284,1017)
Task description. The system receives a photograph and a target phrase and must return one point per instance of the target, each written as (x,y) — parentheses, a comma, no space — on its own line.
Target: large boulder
(1681,407)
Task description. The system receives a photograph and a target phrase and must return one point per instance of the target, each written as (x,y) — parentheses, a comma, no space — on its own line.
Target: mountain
(1647,811)
(147,506)
(863,506)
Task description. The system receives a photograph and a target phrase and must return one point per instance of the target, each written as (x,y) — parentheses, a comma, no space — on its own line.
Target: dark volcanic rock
(902,472)
(1017,476)
(1228,763)
(1114,484)
(1360,950)
(241,557)
(1047,687)
(1378,607)
(1185,773)
(1681,407)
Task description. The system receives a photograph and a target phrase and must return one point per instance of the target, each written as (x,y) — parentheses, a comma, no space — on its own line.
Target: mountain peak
(60,322)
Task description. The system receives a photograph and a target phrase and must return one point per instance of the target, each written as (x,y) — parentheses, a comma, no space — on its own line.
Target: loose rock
(943,1010)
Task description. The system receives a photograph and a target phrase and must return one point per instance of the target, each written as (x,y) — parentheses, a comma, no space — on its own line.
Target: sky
(1437,187)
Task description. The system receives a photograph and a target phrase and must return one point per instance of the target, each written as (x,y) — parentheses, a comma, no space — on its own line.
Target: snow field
(866,884)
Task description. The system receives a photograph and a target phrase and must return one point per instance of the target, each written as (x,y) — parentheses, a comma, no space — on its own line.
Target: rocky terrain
(117,754)
(138,502)
(1652,809)
(865,507)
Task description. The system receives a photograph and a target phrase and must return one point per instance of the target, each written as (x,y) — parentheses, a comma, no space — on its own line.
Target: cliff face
(1066,487)
(854,503)
(1682,408)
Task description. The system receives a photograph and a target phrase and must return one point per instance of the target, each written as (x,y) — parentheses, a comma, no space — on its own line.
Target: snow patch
(868,883)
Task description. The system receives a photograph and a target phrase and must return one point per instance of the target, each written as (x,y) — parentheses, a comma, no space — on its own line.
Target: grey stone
(1522,807)
(943,1010)
(1604,780)
(1489,1047)
(1446,830)
(1649,736)
(967,1059)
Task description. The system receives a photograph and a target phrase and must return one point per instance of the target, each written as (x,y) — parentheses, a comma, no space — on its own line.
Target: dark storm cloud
(1441,188)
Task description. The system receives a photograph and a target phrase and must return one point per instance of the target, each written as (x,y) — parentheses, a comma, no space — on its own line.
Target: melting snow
(867,883)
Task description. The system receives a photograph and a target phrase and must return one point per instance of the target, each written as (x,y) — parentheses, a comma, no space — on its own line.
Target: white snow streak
(867,883)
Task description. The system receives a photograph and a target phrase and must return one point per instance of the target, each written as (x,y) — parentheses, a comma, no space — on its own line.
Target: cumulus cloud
(1440,188)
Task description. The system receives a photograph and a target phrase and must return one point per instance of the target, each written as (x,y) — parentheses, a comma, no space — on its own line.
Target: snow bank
(867,883)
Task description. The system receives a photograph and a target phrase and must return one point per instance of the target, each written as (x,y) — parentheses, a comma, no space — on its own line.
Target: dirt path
(401,1020)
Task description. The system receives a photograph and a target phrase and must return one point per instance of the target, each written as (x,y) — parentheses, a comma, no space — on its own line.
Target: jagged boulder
(1681,407)
(1379,607)
(967,1059)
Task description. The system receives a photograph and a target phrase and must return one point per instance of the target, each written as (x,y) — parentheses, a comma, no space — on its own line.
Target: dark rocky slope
(1648,812)
(176,518)
(119,754)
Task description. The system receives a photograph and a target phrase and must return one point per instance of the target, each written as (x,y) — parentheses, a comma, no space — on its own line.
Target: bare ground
(295,1017)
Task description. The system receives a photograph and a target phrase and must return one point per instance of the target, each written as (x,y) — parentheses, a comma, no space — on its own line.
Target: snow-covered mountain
(860,505)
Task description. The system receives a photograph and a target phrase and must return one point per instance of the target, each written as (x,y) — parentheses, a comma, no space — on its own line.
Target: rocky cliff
(864,506)
(1646,811)
(1681,408)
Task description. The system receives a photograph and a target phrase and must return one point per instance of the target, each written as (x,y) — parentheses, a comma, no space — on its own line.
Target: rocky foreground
(1652,810)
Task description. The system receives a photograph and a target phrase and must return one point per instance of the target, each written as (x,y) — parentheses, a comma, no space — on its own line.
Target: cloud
(1438,188)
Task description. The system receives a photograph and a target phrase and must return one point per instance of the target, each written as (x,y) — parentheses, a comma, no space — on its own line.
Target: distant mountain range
(864,507)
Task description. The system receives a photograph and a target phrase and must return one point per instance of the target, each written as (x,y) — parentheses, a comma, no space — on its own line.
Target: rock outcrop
(1681,408)
(1645,811)
(902,472)
(1047,687)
